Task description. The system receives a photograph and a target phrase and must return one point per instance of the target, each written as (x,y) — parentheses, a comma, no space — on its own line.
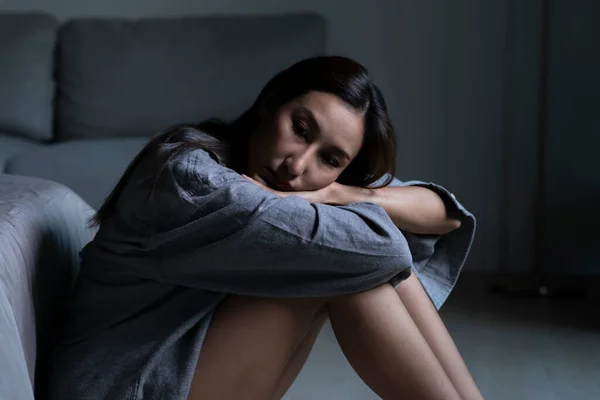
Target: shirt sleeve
(438,260)
(209,228)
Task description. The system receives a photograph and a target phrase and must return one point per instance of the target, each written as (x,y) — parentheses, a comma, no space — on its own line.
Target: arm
(436,259)
(412,208)
(206,227)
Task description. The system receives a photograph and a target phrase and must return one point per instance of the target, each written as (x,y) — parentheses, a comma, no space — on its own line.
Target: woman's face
(307,144)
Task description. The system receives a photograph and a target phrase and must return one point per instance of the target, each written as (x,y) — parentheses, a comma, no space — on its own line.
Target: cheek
(281,139)
(321,178)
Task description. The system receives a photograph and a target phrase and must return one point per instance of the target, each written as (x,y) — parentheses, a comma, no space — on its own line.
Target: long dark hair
(227,142)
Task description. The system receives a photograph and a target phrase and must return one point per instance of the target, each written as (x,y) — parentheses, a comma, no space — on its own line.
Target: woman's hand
(328,195)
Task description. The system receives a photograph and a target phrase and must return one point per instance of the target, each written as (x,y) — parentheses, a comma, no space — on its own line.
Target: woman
(224,247)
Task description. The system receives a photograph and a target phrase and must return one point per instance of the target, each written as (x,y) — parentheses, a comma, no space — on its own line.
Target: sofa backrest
(119,77)
(27,44)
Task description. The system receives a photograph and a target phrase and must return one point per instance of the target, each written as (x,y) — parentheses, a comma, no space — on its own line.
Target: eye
(300,129)
(331,161)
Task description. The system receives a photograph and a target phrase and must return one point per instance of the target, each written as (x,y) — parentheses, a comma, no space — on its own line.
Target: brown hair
(227,142)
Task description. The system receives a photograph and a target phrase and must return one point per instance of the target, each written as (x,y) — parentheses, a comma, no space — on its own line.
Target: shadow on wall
(571,235)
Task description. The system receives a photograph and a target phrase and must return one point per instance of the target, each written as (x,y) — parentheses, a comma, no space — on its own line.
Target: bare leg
(435,333)
(251,341)
(385,347)
(248,345)
(298,359)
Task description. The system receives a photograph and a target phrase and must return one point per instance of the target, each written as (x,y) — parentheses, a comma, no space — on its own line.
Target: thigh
(432,328)
(298,359)
(248,345)
(423,312)
(385,347)
(420,307)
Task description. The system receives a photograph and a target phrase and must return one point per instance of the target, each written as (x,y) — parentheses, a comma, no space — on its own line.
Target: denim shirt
(437,260)
(173,250)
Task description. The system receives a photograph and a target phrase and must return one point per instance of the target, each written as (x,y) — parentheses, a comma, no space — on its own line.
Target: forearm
(411,208)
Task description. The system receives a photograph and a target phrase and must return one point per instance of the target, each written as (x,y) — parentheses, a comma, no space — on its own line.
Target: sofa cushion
(89,167)
(27,43)
(43,226)
(11,146)
(137,77)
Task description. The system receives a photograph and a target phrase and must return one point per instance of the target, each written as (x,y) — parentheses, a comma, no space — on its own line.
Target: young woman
(225,246)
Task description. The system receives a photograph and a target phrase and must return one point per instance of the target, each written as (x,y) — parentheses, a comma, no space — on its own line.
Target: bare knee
(251,340)
(360,297)
(296,307)
(248,344)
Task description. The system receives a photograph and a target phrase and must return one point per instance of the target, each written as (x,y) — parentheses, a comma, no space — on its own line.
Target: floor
(516,347)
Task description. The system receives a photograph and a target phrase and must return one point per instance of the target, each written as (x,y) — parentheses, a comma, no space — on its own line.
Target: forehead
(339,124)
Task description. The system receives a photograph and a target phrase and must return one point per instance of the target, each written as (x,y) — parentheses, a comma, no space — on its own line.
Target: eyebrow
(315,125)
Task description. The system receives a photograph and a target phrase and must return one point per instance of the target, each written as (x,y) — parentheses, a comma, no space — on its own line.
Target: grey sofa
(43,226)
(79,98)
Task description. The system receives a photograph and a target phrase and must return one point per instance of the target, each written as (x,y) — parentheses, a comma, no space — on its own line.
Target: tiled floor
(516,349)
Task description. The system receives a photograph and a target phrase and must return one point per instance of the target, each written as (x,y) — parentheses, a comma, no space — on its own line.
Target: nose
(297,164)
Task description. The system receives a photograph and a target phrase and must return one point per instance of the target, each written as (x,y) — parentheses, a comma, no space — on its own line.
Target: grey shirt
(157,269)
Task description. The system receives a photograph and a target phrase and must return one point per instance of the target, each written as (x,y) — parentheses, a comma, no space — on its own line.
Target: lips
(275,182)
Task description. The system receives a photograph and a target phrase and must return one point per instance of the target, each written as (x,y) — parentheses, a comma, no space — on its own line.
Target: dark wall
(520,130)
(572,193)
(440,65)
